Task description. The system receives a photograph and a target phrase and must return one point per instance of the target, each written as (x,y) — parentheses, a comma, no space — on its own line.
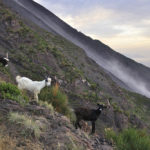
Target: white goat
(32,86)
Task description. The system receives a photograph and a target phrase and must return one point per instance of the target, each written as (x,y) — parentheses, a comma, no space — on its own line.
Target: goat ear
(98,104)
(55,77)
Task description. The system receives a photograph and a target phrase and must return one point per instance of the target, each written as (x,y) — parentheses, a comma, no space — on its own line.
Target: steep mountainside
(56,130)
(36,53)
(135,76)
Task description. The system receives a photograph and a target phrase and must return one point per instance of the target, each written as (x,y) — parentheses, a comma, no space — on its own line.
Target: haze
(124,25)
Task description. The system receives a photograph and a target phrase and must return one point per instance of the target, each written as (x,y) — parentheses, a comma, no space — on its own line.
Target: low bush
(10,91)
(129,139)
(58,99)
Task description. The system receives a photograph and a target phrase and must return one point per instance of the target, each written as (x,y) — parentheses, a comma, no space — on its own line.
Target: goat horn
(55,78)
(108,103)
(7,55)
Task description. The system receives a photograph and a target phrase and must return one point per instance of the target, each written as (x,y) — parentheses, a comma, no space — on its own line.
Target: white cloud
(38,1)
(89,18)
(128,30)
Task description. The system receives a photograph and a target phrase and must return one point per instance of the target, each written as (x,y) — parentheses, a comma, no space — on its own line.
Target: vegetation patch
(10,91)
(117,108)
(140,105)
(71,72)
(47,105)
(30,126)
(129,139)
(14,143)
(58,99)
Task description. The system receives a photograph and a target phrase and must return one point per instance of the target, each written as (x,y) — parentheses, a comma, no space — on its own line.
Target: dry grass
(14,142)
(6,143)
(47,105)
(29,124)
(55,89)
(9,143)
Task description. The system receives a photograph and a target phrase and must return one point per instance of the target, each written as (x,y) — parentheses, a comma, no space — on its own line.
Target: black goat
(88,115)
(4,60)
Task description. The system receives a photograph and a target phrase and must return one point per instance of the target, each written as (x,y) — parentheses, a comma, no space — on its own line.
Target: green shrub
(10,91)
(58,99)
(30,125)
(90,95)
(116,108)
(4,70)
(93,86)
(23,31)
(129,139)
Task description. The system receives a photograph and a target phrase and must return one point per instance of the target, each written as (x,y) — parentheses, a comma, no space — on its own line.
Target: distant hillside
(36,53)
(135,76)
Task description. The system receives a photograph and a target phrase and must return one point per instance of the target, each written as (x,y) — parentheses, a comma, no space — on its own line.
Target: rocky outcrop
(59,133)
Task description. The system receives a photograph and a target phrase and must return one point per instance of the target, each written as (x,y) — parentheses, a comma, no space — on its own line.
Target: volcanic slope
(135,76)
(36,53)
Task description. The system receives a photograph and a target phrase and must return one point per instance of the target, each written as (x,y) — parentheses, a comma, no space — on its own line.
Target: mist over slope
(35,53)
(136,76)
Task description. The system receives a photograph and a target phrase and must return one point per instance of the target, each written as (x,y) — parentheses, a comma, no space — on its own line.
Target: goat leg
(93,127)
(36,96)
(77,124)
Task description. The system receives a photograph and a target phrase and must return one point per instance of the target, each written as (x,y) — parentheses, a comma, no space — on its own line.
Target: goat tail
(18,78)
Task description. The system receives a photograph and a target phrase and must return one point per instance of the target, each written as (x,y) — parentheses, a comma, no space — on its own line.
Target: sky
(123,25)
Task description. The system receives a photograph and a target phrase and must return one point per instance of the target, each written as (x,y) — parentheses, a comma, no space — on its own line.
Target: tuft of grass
(47,105)
(129,139)
(10,91)
(30,125)
(58,99)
